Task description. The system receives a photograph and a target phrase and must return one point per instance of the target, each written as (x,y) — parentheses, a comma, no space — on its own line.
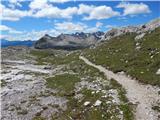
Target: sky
(30,20)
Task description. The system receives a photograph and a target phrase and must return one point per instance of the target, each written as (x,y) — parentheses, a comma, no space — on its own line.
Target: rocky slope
(140,30)
(69,41)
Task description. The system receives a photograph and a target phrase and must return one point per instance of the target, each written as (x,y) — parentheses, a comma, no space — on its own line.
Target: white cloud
(4,28)
(12,14)
(3,36)
(102,12)
(9,29)
(59,1)
(32,35)
(69,26)
(85,9)
(96,12)
(38,4)
(132,9)
(98,24)
(43,8)
(14,3)
(55,12)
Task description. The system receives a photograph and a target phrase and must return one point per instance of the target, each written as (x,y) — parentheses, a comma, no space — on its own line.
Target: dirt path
(145,96)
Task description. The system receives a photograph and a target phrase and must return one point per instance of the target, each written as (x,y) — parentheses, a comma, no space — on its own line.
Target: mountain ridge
(69,41)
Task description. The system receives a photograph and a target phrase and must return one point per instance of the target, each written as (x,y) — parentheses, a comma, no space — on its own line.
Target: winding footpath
(145,96)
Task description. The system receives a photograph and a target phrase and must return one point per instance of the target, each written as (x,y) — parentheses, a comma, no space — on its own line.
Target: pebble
(86,103)
(98,103)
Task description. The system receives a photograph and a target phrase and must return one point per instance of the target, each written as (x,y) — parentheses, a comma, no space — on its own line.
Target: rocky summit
(69,41)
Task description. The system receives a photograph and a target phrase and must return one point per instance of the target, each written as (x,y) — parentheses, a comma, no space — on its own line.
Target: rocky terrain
(69,41)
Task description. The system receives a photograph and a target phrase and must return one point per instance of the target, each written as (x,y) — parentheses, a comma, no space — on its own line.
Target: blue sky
(30,20)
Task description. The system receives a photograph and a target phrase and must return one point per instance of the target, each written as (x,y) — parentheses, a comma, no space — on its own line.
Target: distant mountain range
(69,41)
(6,43)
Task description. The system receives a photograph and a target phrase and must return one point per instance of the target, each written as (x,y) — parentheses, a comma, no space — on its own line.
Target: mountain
(6,43)
(69,41)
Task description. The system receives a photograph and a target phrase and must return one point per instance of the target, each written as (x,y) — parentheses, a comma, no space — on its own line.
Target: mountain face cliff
(69,41)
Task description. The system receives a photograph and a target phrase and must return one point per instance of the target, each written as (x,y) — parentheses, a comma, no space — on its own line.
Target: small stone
(158,72)
(86,103)
(97,103)
(121,112)
(92,92)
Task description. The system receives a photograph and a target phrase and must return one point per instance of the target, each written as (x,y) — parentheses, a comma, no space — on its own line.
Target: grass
(38,118)
(53,56)
(22,112)
(64,82)
(3,83)
(157,108)
(120,54)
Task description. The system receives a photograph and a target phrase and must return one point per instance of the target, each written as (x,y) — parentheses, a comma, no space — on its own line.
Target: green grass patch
(64,82)
(3,83)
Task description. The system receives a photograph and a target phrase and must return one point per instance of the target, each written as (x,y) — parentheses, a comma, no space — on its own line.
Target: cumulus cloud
(55,12)
(9,29)
(4,28)
(13,3)
(69,26)
(12,14)
(133,9)
(85,9)
(38,4)
(97,12)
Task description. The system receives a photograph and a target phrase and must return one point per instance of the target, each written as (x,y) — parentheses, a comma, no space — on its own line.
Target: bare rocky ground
(24,94)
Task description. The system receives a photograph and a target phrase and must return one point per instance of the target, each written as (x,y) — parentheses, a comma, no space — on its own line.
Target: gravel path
(145,96)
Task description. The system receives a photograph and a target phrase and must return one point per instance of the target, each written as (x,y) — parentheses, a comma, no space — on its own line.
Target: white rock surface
(158,72)
(86,103)
(98,103)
